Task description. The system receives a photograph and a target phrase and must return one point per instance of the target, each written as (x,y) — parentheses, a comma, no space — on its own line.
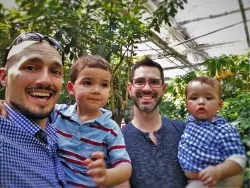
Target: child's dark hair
(209,81)
(147,62)
(91,61)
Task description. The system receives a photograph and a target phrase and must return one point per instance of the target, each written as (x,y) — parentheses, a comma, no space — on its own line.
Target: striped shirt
(207,143)
(28,154)
(77,141)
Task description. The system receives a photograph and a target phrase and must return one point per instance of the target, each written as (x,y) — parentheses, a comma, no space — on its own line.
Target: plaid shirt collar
(28,125)
(216,121)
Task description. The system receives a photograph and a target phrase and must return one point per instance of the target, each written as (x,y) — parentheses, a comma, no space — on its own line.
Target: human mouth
(146,97)
(201,110)
(44,94)
(94,99)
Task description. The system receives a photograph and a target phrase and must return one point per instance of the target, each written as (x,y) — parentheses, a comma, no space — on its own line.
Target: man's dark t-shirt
(155,166)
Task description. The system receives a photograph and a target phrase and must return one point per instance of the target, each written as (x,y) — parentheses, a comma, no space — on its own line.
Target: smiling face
(91,89)
(203,100)
(33,79)
(146,98)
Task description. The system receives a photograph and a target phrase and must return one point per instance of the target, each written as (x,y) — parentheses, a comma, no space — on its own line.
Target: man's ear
(3,77)
(164,86)
(129,85)
(70,88)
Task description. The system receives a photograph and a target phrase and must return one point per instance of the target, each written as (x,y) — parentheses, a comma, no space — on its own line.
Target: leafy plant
(107,28)
(173,104)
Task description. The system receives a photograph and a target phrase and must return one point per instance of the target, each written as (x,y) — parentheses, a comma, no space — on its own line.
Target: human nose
(96,89)
(201,101)
(44,77)
(147,86)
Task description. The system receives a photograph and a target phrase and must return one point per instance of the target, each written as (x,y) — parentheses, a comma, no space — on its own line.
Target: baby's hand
(210,176)
(97,168)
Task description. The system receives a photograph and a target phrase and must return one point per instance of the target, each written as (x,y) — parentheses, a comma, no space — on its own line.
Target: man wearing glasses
(152,139)
(32,75)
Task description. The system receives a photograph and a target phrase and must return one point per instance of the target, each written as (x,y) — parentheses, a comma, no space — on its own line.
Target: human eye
(56,72)
(87,83)
(139,81)
(209,98)
(155,82)
(193,98)
(30,67)
(105,85)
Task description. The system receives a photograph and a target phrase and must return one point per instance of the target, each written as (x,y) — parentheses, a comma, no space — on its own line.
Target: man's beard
(29,113)
(146,108)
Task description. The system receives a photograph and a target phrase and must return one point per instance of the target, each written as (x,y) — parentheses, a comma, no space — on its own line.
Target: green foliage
(107,28)
(233,71)
(173,104)
(237,110)
(167,9)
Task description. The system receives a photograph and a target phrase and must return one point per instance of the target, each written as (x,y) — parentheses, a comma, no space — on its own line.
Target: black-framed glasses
(141,82)
(33,36)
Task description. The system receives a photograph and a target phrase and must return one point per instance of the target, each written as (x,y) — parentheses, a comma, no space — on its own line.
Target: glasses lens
(34,37)
(141,82)
(155,82)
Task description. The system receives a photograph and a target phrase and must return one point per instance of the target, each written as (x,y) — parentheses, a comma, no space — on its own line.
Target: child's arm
(126,184)
(106,177)
(212,174)
(118,174)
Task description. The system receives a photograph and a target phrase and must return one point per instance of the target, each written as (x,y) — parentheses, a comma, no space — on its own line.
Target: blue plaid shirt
(28,154)
(206,143)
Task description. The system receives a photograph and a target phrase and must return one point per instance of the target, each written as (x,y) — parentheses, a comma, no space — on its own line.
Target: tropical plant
(173,104)
(107,28)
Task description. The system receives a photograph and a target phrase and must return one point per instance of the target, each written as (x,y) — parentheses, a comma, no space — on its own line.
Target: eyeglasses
(141,82)
(33,36)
